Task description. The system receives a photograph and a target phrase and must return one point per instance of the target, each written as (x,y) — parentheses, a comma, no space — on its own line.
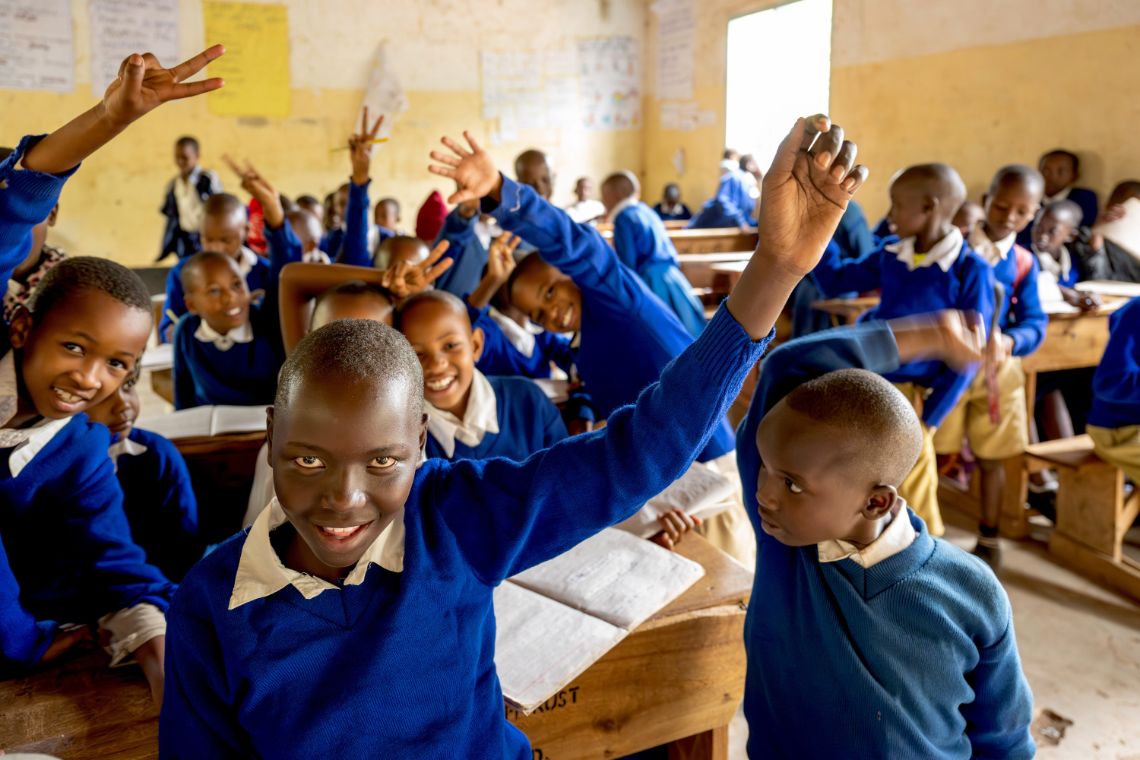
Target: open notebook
(557,619)
(206,420)
(700,492)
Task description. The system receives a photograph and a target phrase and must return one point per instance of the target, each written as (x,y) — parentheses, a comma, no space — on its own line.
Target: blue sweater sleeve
(23,639)
(1029,330)
(1117,379)
(834,274)
(556,348)
(507,516)
(183,378)
(355,248)
(26,199)
(626,240)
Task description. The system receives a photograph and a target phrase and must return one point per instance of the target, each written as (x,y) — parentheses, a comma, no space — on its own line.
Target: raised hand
(405,279)
(472,169)
(501,257)
(256,185)
(360,147)
(143,84)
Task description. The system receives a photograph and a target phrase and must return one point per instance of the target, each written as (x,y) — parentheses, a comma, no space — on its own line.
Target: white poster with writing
(676,31)
(122,27)
(37,51)
(609,82)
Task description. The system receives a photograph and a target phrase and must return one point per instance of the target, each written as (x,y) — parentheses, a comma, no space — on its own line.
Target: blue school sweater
(159,502)
(256,279)
(402,664)
(627,334)
(26,199)
(684,214)
(501,357)
(1116,384)
(528,422)
(246,374)
(1021,316)
(352,248)
(1083,197)
(643,245)
(66,554)
(465,249)
(914,657)
(730,207)
(967,286)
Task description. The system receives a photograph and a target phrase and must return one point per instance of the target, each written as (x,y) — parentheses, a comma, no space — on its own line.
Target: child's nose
(87,376)
(346,492)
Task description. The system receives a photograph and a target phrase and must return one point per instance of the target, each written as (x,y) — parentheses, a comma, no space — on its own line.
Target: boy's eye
(383,463)
(792,486)
(451,346)
(308,463)
(118,364)
(74,348)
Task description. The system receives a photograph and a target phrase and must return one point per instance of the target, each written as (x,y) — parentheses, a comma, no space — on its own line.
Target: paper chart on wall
(256,64)
(122,27)
(676,31)
(609,83)
(37,51)
(385,94)
(529,90)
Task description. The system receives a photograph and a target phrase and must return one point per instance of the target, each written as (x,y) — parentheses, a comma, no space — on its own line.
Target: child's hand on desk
(150,656)
(1082,301)
(472,168)
(406,279)
(674,525)
(360,148)
(257,186)
(67,640)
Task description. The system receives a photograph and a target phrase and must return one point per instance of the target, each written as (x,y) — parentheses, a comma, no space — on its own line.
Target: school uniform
(254,268)
(680,212)
(1082,196)
(732,206)
(353,248)
(26,199)
(1114,420)
(158,499)
(506,417)
(239,367)
(1021,317)
(183,207)
(643,245)
(468,249)
(905,648)
(949,276)
(511,350)
(853,240)
(57,481)
(397,661)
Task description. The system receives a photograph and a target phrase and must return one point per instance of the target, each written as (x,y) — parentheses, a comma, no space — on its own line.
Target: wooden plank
(846,309)
(1123,576)
(726,581)
(221,471)
(711,745)
(1089,501)
(1071,453)
(162,383)
(1071,341)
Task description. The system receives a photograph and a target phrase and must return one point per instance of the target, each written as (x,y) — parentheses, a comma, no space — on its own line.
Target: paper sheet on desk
(1125,232)
(206,421)
(557,619)
(1110,288)
(700,492)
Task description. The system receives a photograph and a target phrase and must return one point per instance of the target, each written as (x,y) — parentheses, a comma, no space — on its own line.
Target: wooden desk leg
(1013,522)
(711,745)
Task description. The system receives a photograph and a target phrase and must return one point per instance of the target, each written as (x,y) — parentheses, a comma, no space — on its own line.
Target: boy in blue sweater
(927,266)
(371,565)
(643,245)
(1114,420)
(1061,170)
(866,637)
(670,208)
(80,339)
(1010,204)
(158,497)
(732,206)
(227,351)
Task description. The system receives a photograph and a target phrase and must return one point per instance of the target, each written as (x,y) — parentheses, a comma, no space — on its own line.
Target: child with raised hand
(865,636)
(158,497)
(371,565)
(40,259)
(228,350)
(929,265)
(352,246)
(643,245)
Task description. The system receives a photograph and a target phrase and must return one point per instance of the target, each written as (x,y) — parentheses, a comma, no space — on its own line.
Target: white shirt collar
(1063,195)
(246,261)
(1059,267)
(24,442)
(895,538)
(481,417)
(486,231)
(261,573)
(207,334)
(992,251)
(632,200)
(518,336)
(125,447)
(316,256)
(944,253)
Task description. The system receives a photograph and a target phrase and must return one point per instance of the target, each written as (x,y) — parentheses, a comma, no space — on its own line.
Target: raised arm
(355,251)
(500,264)
(284,245)
(301,283)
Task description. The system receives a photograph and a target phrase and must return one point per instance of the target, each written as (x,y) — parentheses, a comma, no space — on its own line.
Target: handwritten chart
(256,63)
(122,27)
(609,81)
(676,28)
(37,51)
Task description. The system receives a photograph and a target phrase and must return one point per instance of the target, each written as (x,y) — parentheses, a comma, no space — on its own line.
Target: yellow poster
(256,64)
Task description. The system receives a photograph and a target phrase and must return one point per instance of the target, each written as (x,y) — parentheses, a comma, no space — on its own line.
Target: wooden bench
(1092,513)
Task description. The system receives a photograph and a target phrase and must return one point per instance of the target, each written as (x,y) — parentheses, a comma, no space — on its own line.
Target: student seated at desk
(386,219)
(928,266)
(865,635)
(370,565)
(1114,420)
(585,207)
(158,497)
(227,350)
(732,206)
(1061,169)
(670,208)
(1104,259)
(643,245)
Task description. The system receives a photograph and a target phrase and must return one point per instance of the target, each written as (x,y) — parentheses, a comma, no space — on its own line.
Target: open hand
(258,186)
(674,525)
(501,257)
(406,279)
(961,338)
(812,178)
(143,84)
(472,169)
(360,147)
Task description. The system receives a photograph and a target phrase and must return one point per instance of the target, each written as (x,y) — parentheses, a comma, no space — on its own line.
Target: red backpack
(1024,261)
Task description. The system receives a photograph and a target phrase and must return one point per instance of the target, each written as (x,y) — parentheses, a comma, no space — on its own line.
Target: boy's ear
(269,436)
(423,431)
(880,501)
(53,215)
(188,299)
(477,342)
(20,327)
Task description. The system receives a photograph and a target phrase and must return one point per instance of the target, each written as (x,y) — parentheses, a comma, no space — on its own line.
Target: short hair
(353,288)
(1065,210)
(1019,173)
(672,186)
(391,201)
(196,263)
(88,273)
(1129,188)
(1073,157)
(729,154)
(872,412)
(223,204)
(356,350)
(385,248)
(431,296)
(531,155)
(300,217)
(941,181)
(307,199)
(525,264)
(624,183)
(186,141)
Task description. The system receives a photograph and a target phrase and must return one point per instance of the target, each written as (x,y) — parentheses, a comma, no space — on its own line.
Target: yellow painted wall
(111,207)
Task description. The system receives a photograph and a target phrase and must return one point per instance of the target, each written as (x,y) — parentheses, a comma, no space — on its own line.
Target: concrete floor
(1080,648)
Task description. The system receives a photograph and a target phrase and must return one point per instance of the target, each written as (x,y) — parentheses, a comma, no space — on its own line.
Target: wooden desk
(726,275)
(697,267)
(845,311)
(681,674)
(221,471)
(714,240)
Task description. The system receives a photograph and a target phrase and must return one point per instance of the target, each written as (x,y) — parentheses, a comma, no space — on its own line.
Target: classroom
(688,379)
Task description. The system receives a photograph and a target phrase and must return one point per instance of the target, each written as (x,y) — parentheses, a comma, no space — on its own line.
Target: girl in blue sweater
(355,618)
(1114,420)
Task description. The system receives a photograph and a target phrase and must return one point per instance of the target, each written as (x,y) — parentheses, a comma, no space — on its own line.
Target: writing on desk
(564,698)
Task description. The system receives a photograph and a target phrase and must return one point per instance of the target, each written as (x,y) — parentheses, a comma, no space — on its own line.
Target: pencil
(370,142)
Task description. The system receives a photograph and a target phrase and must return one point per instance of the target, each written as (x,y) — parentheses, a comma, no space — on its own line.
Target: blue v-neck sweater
(912,657)
(628,334)
(501,357)
(1116,384)
(402,665)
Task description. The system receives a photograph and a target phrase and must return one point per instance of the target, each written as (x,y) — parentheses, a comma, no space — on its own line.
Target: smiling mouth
(564,323)
(234,312)
(341,535)
(439,385)
(68,397)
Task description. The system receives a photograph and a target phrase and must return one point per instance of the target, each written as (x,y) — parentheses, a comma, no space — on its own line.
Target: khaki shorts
(1118,446)
(920,487)
(730,530)
(970,419)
